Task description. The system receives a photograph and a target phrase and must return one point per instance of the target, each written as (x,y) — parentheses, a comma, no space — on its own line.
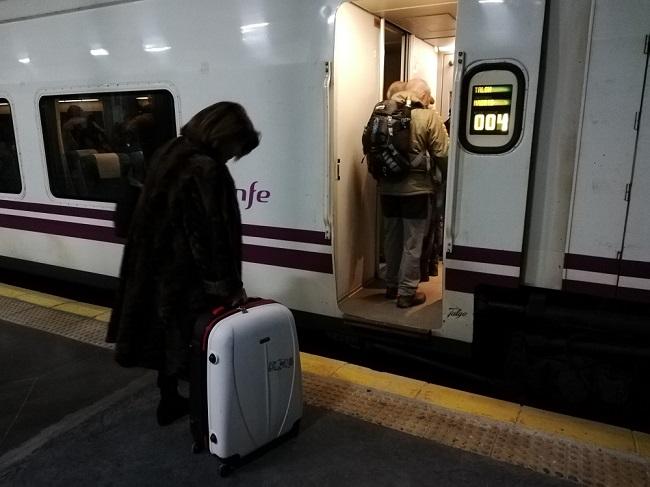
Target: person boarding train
(406,203)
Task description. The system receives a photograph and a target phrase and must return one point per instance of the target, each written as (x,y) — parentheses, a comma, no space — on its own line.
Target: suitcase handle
(219,310)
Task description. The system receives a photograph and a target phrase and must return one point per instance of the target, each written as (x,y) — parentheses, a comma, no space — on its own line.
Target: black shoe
(172,408)
(412,300)
(391,292)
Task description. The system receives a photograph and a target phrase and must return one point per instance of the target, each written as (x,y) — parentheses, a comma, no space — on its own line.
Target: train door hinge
(328,75)
(636,121)
(619,254)
(338,169)
(646,45)
(628,188)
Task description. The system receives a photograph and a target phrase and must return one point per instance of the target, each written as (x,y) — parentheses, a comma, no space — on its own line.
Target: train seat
(102,174)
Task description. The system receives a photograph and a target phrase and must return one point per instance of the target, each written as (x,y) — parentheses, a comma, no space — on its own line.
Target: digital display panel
(490,109)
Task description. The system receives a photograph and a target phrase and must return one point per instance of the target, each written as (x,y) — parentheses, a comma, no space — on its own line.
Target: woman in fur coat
(184,249)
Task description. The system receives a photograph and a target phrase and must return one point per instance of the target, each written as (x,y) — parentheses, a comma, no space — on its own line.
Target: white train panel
(615,76)
(458,318)
(557,132)
(634,281)
(68,252)
(279,81)
(314,292)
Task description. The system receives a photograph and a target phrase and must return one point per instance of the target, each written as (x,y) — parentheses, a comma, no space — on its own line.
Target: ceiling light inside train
(490,1)
(448,49)
(24,60)
(80,100)
(99,52)
(245,29)
(156,48)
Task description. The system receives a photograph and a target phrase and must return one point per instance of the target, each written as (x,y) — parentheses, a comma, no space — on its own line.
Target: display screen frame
(468,137)
(494,113)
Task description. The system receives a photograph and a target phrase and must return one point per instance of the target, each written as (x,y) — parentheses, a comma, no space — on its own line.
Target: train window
(9,169)
(95,140)
(492,108)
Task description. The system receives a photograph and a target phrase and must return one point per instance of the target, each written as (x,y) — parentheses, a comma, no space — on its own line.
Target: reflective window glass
(9,169)
(94,141)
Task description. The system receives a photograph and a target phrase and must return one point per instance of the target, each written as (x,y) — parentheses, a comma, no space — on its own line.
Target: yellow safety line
(11,291)
(584,431)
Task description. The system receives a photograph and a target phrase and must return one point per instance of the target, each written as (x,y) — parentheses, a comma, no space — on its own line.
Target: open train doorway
(375,45)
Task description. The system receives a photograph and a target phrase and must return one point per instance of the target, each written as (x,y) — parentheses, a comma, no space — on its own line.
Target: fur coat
(182,256)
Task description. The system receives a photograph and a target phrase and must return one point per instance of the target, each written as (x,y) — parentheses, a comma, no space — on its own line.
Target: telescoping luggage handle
(221,312)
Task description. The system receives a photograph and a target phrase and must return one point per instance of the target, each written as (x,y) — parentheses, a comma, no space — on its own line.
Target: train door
(356,86)
(498,48)
(376,38)
(446,83)
(610,132)
(634,278)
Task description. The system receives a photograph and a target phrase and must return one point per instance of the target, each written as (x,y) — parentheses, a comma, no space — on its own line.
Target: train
(546,224)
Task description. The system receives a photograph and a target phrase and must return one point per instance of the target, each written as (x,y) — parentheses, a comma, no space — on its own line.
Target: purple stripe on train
(591,263)
(57,227)
(467,281)
(605,265)
(295,259)
(275,233)
(58,209)
(488,256)
(290,258)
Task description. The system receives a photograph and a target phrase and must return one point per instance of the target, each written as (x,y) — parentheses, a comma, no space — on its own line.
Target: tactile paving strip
(61,323)
(9,307)
(505,442)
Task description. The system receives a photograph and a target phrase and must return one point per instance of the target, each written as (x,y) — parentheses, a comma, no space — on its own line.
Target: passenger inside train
(407,199)
(94,141)
(413,50)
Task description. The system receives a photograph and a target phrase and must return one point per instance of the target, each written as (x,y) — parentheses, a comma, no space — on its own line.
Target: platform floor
(69,416)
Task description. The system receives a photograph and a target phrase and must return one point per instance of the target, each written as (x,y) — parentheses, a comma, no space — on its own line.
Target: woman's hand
(239,299)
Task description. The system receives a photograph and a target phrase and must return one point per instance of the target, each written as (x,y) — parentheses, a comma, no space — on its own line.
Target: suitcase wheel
(225,470)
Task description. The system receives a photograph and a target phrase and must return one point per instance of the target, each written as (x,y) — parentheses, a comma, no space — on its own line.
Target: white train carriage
(548,168)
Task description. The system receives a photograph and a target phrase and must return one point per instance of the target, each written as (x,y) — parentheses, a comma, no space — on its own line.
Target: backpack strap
(418,159)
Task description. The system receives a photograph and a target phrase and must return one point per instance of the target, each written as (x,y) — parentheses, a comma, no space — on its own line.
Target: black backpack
(387,138)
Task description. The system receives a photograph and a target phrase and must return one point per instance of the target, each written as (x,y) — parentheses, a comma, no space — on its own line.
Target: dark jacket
(183,255)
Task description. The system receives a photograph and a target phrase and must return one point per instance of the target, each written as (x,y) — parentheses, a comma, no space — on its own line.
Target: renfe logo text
(249,196)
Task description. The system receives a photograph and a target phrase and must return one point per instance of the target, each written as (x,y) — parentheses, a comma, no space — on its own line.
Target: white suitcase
(253,381)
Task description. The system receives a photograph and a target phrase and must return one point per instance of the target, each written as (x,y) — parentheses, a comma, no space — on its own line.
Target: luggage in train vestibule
(246,381)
